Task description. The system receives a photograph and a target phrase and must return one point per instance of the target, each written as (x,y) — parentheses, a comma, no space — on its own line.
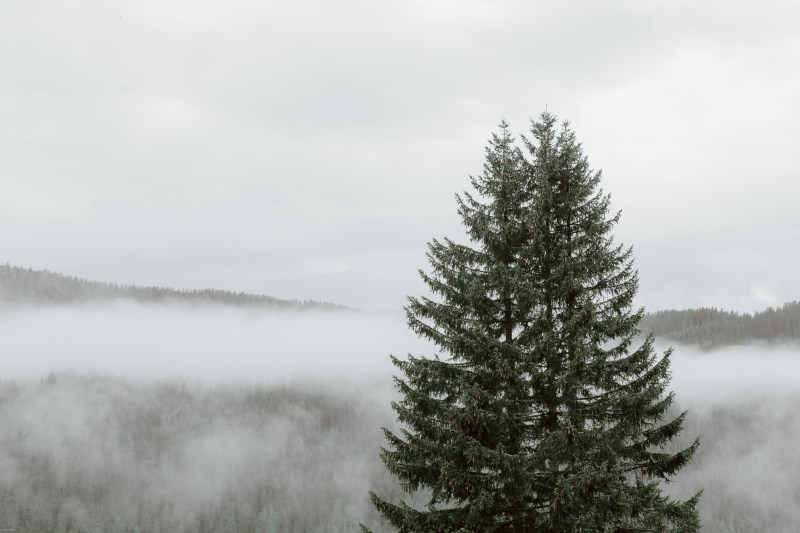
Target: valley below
(136,417)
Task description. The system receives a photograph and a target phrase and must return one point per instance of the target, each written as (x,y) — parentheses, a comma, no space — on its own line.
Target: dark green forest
(713,328)
(98,454)
(28,286)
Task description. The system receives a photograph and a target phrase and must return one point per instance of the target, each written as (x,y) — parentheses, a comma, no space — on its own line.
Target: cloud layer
(307,150)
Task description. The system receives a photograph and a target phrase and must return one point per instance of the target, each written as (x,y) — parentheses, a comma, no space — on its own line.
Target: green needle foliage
(540,415)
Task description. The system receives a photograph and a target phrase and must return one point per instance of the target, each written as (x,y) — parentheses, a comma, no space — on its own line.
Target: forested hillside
(712,328)
(99,454)
(27,286)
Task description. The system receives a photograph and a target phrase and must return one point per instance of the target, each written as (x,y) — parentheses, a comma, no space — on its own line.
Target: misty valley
(98,453)
(324,267)
(133,410)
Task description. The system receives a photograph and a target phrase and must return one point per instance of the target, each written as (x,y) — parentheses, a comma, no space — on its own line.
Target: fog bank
(216,452)
(222,344)
(210,343)
(97,453)
(735,374)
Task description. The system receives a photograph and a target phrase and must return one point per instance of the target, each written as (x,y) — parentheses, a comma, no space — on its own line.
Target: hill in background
(713,328)
(27,286)
(705,327)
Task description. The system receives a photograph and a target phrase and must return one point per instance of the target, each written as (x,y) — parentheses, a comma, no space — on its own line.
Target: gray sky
(311,149)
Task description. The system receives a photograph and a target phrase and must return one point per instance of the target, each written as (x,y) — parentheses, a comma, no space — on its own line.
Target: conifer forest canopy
(540,411)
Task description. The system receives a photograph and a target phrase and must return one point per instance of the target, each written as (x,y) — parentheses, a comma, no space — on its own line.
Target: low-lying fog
(320,425)
(734,374)
(213,344)
(201,343)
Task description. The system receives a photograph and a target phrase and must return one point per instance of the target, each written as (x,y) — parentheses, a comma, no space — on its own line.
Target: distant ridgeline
(711,328)
(27,286)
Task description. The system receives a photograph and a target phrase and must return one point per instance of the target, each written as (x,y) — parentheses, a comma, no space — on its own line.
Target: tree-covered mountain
(28,286)
(712,328)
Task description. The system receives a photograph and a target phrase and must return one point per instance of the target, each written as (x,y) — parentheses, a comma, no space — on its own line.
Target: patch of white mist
(203,343)
(734,374)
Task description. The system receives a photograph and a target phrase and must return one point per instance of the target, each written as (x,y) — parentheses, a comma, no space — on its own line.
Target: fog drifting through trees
(284,409)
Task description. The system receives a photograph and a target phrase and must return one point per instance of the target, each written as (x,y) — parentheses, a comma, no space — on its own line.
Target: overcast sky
(311,149)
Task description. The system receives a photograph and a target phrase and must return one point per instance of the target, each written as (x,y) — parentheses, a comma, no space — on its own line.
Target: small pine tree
(540,417)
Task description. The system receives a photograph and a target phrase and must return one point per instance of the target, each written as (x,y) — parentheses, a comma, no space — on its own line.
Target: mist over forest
(130,415)
(212,214)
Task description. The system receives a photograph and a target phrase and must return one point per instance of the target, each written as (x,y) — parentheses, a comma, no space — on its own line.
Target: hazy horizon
(221,344)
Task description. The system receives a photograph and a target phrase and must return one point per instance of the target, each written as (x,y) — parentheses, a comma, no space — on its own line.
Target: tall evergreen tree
(539,415)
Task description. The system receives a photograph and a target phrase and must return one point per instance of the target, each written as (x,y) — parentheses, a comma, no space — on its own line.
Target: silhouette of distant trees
(711,327)
(29,286)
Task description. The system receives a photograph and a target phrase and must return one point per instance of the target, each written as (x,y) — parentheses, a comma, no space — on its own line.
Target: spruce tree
(538,414)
